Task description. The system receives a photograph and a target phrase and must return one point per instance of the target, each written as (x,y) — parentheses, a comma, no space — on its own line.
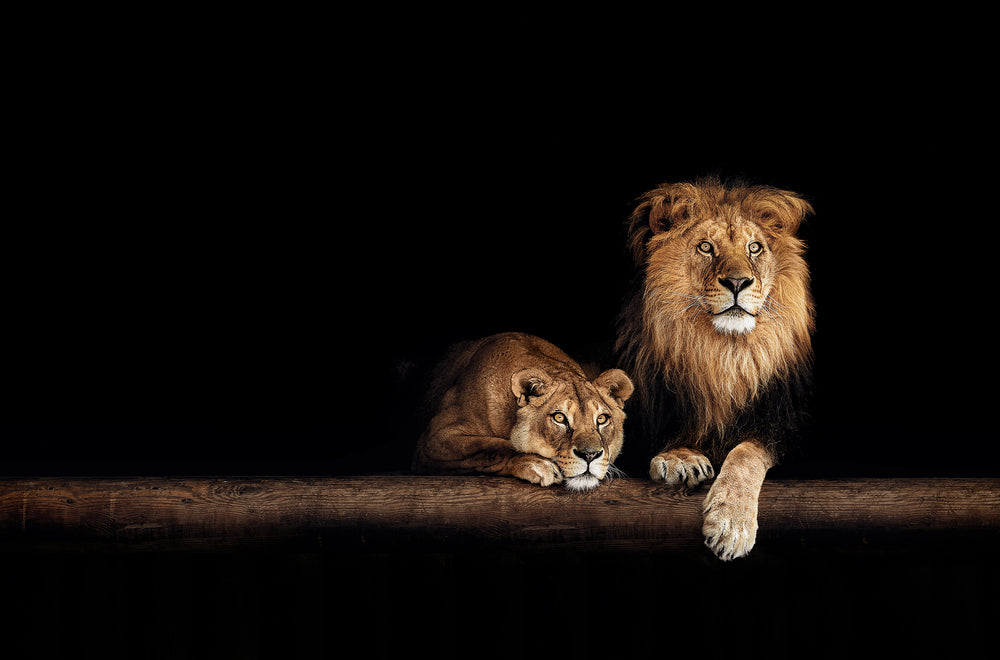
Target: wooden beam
(407,512)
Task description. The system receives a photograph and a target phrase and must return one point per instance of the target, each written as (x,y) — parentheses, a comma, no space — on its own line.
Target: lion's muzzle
(737,317)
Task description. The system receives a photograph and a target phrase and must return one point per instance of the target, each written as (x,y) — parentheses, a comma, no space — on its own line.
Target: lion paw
(730,524)
(537,470)
(681,466)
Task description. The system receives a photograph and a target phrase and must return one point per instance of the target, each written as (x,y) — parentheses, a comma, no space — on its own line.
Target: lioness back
(517,405)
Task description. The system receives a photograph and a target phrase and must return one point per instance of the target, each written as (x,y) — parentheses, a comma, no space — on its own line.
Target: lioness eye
(705,247)
(559,417)
(602,419)
(755,247)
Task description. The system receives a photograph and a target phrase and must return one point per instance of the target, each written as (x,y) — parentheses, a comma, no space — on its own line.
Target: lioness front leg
(681,466)
(534,468)
(449,452)
(730,523)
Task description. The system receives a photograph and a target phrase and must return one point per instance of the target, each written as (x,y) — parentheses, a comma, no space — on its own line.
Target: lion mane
(722,387)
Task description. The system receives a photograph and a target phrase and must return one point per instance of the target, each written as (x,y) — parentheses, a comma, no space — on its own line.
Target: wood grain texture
(387,512)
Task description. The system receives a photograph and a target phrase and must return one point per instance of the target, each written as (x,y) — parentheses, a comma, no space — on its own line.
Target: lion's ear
(665,208)
(782,211)
(616,384)
(528,383)
(661,209)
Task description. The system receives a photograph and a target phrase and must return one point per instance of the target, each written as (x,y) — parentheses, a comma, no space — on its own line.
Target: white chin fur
(582,482)
(732,324)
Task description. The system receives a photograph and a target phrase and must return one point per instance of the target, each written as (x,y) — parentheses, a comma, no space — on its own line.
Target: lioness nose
(588,454)
(736,284)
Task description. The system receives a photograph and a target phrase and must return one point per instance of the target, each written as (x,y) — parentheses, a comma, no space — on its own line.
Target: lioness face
(577,425)
(731,272)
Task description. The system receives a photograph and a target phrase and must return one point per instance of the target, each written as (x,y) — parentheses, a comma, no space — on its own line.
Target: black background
(237,249)
(230,290)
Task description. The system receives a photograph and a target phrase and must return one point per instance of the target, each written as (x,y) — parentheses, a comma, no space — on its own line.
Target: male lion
(720,327)
(516,405)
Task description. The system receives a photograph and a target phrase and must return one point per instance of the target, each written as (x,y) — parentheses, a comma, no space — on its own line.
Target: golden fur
(720,324)
(514,404)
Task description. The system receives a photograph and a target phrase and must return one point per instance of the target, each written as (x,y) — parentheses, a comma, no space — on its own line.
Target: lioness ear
(528,383)
(616,384)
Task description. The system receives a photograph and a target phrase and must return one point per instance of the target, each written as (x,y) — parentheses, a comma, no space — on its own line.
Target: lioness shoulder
(514,404)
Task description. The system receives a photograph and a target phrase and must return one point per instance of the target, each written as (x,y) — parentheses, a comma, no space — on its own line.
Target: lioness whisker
(613,473)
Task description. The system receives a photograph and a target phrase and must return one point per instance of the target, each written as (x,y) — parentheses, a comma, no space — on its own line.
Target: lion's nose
(588,455)
(736,284)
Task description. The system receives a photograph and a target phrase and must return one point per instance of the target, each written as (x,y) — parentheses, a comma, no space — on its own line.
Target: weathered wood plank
(411,511)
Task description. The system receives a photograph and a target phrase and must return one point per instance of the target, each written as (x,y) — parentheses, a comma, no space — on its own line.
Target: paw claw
(681,467)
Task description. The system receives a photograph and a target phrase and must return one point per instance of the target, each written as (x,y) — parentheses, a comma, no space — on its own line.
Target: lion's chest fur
(714,375)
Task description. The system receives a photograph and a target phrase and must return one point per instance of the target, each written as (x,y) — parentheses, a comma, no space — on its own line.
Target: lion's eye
(755,247)
(602,418)
(559,418)
(705,247)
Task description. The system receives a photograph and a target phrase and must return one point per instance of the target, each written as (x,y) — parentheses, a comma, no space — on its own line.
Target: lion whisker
(690,302)
(698,305)
(683,295)
(771,304)
(772,301)
(779,314)
(772,314)
(683,301)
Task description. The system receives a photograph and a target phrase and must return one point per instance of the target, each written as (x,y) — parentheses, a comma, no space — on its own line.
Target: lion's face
(715,254)
(574,423)
(725,307)
(730,273)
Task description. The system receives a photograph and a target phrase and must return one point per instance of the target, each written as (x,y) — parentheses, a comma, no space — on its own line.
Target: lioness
(514,404)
